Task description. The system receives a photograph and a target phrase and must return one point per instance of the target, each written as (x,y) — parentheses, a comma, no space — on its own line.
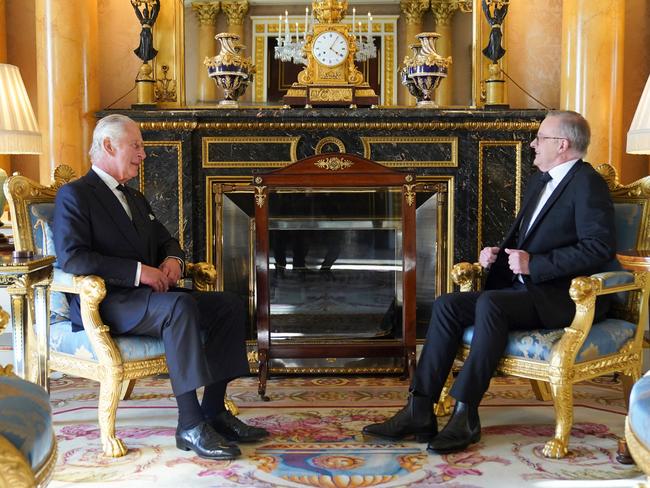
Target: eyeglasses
(539,138)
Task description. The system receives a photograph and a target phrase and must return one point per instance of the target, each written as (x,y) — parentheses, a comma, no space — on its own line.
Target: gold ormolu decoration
(507,126)
(331,77)
(409,193)
(260,195)
(554,378)
(165,90)
(330,94)
(325,141)
(115,375)
(333,164)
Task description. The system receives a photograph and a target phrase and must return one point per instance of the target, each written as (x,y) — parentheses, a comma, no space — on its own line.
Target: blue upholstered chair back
(62,339)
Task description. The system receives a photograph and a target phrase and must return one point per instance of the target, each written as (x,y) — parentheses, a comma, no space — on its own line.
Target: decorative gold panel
(248,163)
(451,163)
(169,40)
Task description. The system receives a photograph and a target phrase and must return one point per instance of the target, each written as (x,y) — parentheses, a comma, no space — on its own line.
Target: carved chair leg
(628,382)
(443,407)
(542,390)
(109,396)
(558,447)
(127,389)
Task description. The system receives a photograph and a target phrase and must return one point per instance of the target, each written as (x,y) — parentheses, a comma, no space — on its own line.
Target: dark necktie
(135,214)
(532,205)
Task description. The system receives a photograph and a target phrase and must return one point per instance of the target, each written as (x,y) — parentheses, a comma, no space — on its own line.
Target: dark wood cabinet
(335,261)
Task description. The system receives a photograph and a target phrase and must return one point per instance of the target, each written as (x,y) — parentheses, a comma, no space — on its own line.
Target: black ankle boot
(463,429)
(416,418)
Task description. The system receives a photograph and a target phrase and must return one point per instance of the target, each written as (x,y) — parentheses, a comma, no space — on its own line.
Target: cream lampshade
(638,137)
(18,128)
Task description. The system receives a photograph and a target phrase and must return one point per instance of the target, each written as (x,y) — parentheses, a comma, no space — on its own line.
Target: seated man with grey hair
(104,228)
(565,229)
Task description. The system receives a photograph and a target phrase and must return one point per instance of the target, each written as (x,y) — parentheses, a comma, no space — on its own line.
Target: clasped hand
(163,277)
(517,259)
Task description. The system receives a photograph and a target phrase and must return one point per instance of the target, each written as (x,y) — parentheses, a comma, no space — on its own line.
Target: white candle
(354,13)
(306,22)
(279,30)
(287,35)
(297,33)
(360,32)
(369,27)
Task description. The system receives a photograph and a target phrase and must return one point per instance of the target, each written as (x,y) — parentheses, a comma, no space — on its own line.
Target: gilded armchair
(115,362)
(554,360)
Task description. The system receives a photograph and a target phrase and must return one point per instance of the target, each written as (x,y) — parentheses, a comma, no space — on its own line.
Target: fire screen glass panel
(335,264)
(344,243)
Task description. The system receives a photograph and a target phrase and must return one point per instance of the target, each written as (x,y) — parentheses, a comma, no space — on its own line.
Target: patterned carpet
(316,439)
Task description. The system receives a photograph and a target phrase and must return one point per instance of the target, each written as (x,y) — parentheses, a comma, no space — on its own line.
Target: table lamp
(638,137)
(18,128)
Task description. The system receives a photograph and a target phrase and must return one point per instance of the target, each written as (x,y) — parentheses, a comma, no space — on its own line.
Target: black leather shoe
(234,429)
(463,429)
(415,419)
(205,442)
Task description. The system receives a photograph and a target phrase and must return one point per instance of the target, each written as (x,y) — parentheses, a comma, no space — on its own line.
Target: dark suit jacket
(93,235)
(573,235)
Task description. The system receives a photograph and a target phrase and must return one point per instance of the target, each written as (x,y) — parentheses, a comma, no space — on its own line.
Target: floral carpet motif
(316,439)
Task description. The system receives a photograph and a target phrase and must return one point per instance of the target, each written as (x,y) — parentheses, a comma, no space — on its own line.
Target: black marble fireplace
(200,166)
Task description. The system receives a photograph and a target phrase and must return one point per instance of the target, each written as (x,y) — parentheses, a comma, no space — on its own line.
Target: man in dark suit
(565,229)
(104,228)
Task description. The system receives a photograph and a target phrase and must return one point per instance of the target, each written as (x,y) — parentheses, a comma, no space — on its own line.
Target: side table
(28,280)
(632,260)
(636,260)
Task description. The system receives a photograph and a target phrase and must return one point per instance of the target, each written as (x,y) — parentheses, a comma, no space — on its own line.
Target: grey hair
(575,128)
(110,127)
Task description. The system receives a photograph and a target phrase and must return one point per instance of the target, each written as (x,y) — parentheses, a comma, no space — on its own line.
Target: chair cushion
(42,216)
(605,337)
(639,413)
(132,348)
(26,419)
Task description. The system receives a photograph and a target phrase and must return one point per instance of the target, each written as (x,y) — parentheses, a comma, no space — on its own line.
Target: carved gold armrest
(583,292)
(92,290)
(467,276)
(204,276)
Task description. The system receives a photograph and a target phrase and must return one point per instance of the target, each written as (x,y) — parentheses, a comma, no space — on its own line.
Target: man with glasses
(565,229)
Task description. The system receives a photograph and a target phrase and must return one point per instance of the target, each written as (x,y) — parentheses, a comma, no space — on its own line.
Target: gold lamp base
(145,85)
(495,88)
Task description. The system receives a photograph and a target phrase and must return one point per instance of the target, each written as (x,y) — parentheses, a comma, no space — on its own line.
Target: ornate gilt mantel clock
(330,77)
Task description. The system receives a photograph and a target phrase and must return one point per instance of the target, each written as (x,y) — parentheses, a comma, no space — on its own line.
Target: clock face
(330,48)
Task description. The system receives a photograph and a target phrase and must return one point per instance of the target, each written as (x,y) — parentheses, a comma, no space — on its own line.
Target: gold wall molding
(398,140)
(235,10)
(207,141)
(206,12)
(482,145)
(179,175)
(215,186)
